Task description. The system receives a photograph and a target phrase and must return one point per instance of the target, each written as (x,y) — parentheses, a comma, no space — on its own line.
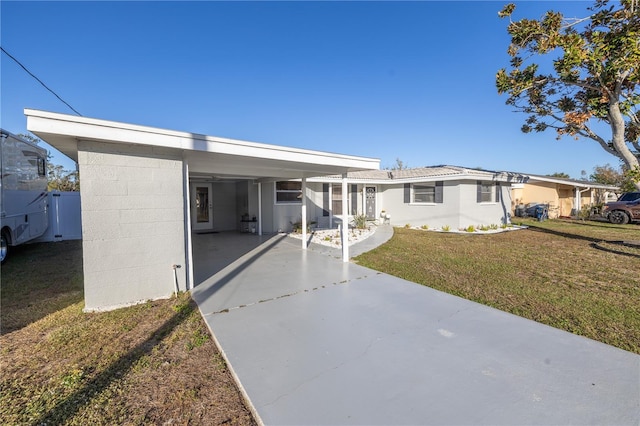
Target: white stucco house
(434,196)
(144,190)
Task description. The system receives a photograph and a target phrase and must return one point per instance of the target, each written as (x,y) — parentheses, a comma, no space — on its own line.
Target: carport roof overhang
(204,154)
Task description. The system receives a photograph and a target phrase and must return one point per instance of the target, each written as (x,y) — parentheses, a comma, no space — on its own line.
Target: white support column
(345,220)
(330,192)
(259,208)
(187,225)
(304,213)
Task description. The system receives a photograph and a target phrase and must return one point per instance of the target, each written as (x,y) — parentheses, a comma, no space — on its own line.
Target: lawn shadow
(601,223)
(66,409)
(595,243)
(598,246)
(563,234)
(39,279)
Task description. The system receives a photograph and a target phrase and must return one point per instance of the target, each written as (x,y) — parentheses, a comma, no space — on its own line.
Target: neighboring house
(433,196)
(565,197)
(145,190)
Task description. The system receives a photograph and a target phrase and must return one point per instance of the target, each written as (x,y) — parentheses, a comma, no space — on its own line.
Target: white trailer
(23,192)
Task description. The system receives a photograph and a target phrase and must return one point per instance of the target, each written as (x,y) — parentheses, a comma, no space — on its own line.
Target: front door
(370,202)
(201,206)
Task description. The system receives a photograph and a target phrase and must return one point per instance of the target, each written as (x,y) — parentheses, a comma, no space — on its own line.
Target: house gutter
(578,200)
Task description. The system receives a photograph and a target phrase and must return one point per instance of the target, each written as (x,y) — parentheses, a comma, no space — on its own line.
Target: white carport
(135,196)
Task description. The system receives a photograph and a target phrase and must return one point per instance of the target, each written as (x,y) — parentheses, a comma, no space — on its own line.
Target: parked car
(625,210)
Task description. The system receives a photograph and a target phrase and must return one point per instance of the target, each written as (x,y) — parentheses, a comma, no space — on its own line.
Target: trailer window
(42,169)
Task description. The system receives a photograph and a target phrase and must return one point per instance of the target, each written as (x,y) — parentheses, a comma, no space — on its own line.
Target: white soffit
(205,154)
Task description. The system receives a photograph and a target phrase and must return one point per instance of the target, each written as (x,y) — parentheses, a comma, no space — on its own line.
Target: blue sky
(407,80)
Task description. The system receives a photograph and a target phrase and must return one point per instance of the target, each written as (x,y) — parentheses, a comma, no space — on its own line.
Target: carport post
(304,213)
(345,220)
(259,208)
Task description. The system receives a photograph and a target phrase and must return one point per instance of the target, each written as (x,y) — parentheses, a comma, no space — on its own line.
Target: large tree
(593,75)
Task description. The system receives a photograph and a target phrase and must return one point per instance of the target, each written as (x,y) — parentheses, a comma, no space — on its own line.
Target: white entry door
(201,206)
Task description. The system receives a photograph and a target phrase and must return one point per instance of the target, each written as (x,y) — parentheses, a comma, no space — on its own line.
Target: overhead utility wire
(39,81)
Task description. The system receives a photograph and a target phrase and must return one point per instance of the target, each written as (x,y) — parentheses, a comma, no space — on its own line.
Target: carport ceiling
(204,154)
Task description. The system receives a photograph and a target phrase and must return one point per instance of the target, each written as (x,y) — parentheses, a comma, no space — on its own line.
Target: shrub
(425,227)
(446,228)
(470,228)
(360,221)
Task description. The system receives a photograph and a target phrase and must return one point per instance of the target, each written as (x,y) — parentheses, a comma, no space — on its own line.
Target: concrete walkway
(313,340)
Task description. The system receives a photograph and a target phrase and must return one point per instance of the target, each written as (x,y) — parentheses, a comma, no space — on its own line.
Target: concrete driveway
(313,340)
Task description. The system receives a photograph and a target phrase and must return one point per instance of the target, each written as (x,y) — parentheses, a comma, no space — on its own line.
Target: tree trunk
(619,144)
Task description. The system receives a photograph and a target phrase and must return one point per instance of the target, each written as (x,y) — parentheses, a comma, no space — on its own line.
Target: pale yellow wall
(561,198)
(540,192)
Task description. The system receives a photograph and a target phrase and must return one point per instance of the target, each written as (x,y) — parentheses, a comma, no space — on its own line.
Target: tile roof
(417,173)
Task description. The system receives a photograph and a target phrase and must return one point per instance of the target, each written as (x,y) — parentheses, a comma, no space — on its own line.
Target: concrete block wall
(133,223)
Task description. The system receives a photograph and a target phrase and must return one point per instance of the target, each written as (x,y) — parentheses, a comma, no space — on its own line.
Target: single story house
(435,196)
(144,190)
(565,197)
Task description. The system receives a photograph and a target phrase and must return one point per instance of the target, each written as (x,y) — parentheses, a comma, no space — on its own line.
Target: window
(42,166)
(424,193)
(336,199)
(288,192)
(488,192)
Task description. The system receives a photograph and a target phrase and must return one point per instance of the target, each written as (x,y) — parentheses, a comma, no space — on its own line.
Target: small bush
(470,228)
(425,227)
(407,226)
(493,226)
(446,228)
(360,221)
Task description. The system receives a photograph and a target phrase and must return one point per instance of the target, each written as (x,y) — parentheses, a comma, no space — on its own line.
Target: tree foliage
(399,165)
(606,175)
(58,178)
(594,77)
(560,175)
(62,180)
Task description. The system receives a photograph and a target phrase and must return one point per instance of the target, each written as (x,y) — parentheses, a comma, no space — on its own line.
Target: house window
(488,192)
(335,190)
(288,192)
(336,199)
(424,193)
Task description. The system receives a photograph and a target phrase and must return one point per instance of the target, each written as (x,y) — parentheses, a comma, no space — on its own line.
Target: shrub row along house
(146,192)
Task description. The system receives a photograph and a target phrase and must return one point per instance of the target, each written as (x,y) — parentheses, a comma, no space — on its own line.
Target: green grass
(572,275)
(153,363)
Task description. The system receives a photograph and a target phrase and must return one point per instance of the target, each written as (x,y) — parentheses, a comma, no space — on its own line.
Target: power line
(39,81)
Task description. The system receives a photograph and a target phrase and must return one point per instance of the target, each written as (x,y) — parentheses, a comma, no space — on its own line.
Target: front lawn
(153,363)
(572,275)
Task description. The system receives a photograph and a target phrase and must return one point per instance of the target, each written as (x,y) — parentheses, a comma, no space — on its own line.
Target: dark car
(625,210)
